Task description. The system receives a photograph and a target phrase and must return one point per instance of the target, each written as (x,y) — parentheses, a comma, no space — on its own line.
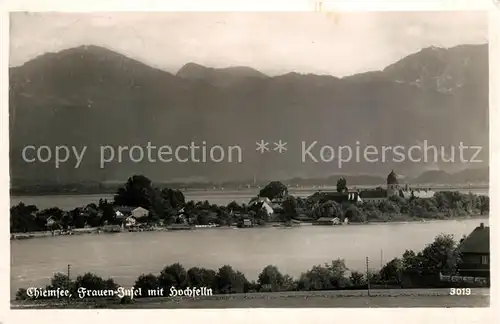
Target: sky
(274,43)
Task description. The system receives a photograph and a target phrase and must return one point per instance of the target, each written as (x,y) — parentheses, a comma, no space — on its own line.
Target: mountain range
(92,96)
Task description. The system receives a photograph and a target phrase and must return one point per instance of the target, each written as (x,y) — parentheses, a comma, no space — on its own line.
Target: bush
(329,276)
(201,277)
(357,279)
(146,282)
(373,215)
(355,214)
(271,279)
(22,294)
(392,272)
(173,275)
(328,209)
(94,282)
(60,280)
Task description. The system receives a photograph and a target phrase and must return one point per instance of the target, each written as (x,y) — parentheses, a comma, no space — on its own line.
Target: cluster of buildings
(126,216)
(377,195)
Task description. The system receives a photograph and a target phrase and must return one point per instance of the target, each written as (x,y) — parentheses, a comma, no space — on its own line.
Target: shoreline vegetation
(102,230)
(422,270)
(167,209)
(470,178)
(110,189)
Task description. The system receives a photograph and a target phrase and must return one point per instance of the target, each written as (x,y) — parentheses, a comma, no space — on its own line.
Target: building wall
(138,213)
(475,265)
(374,200)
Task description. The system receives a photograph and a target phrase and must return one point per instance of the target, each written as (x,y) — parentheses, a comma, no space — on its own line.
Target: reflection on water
(125,256)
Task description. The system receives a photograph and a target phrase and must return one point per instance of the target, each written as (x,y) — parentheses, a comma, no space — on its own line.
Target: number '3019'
(460,291)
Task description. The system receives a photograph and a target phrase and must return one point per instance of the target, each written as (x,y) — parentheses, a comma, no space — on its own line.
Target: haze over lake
(218,197)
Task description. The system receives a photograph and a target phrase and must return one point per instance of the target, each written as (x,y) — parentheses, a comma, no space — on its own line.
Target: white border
(407,315)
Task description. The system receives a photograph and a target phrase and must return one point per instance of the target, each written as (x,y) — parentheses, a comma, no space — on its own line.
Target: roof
(373,194)
(256,200)
(392,178)
(422,193)
(124,209)
(477,242)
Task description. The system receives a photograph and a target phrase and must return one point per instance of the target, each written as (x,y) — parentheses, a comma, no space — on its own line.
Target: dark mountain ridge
(90,96)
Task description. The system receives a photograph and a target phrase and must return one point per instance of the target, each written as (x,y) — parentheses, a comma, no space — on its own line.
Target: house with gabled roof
(475,253)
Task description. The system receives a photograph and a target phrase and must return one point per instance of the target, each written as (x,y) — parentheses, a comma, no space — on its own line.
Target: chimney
(481,225)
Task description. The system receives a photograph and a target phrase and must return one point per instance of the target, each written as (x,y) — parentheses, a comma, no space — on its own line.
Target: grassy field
(319,299)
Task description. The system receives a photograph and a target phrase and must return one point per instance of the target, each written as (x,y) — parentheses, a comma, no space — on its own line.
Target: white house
(140,212)
(266,204)
(51,221)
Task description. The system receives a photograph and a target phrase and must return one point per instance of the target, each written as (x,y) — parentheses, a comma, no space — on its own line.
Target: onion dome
(392,178)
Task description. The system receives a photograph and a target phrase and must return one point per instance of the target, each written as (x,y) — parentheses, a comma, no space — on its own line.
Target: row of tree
(443,205)
(164,206)
(420,269)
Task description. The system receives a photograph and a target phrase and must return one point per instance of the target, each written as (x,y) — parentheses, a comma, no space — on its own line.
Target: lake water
(124,256)
(218,197)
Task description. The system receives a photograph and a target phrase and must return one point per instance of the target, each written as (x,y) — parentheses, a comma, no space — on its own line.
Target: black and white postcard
(218,160)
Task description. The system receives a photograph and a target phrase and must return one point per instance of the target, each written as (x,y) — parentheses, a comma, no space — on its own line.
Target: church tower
(392,184)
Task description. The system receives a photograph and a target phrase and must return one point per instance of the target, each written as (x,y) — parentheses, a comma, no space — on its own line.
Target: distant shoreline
(112,190)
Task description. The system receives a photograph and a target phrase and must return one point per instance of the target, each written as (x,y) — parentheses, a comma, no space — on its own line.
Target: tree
(233,206)
(392,271)
(442,255)
(411,262)
(229,281)
(22,294)
(389,206)
(484,204)
(357,279)
(329,276)
(201,277)
(60,280)
(355,214)
(146,282)
(78,219)
(174,197)
(108,214)
(289,208)
(23,218)
(273,190)
(203,218)
(56,212)
(289,284)
(342,185)
(317,278)
(337,269)
(94,282)
(173,276)
(270,279)
(328,209)
(137,192)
